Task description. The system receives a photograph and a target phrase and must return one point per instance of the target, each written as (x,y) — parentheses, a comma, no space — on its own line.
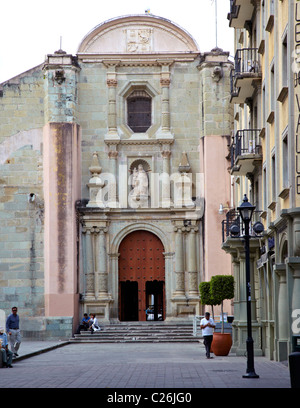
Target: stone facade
(76,180)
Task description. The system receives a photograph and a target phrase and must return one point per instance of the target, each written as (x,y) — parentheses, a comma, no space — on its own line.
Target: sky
(31,29)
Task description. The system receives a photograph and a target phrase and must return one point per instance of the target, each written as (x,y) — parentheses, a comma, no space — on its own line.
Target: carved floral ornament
(94,230)
(190,228)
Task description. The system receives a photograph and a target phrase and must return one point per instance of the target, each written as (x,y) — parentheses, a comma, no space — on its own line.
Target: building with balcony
(265,90)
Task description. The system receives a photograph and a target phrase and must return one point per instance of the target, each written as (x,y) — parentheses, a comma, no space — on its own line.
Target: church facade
(114,163)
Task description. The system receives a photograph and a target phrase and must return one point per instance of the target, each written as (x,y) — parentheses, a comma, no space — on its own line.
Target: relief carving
(139,40)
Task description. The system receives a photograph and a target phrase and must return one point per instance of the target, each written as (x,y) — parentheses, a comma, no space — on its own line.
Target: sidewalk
(30,348)
(59,364)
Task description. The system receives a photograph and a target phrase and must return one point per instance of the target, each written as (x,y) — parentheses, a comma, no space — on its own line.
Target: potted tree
(205,296)
(221,288)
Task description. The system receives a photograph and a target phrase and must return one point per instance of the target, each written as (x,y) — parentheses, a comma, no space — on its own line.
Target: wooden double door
(141,277)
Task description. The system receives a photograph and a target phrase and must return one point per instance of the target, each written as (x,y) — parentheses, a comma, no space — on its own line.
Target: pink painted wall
(217,186)
(61,144)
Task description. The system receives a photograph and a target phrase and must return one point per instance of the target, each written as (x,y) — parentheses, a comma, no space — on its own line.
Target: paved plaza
(135,365)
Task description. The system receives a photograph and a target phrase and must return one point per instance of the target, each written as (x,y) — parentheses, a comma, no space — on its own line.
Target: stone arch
(114,255)
(118,238)
(143,162)
(283,248)
(162,35)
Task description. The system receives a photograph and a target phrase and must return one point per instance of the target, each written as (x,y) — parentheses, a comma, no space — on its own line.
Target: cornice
(134,60)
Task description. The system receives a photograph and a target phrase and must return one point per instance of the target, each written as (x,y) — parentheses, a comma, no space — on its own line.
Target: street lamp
(246,211)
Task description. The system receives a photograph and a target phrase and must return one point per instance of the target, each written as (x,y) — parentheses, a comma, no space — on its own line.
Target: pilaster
(62,177)
(179,263)
(112,84)
(166,191)
(112,186)
(282,313)
(165,80)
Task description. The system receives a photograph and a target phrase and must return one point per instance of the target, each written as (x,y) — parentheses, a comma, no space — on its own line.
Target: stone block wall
(21,194)
(22,103)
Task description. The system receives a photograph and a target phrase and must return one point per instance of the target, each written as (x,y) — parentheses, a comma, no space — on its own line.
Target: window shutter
(139,111)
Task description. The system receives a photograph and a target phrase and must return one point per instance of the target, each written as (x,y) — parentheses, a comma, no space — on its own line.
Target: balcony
(233,217)
(246,74)
(240,14)
(246,152)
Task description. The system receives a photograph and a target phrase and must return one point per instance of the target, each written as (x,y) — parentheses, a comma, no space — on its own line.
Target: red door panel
(141,260)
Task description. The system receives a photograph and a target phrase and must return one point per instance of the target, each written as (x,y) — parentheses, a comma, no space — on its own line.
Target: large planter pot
(221,344)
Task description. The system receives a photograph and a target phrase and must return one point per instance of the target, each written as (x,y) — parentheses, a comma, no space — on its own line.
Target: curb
(41,351)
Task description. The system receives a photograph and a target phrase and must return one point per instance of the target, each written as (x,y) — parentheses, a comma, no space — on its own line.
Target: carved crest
(139,40)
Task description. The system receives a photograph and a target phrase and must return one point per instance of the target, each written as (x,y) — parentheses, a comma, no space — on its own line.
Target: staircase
(140,332)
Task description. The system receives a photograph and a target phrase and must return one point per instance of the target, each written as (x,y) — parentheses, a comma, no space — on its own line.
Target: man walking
(13,331)
(207,325)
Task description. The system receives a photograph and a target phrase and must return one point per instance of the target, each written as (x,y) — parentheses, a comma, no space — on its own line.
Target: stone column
(282,315)
(296,290)
(166,202)
(179,263)
(282,305)
(165,109)
(112,112)
(112,184)
(114,282)
(101,263)
(89,264)
(191,261)
(112,103)
(165,80)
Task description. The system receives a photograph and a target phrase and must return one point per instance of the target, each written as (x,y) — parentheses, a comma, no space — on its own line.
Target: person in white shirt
(207,325)
(95,325)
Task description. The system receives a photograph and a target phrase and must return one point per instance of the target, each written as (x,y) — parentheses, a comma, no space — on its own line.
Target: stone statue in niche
(139,183)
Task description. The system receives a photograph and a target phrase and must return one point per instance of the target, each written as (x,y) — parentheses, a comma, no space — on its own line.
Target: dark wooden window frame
(139,111)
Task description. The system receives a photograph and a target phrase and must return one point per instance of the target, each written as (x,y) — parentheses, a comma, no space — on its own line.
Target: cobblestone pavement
(136,365)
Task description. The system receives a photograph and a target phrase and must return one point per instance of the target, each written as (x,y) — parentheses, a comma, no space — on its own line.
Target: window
(285,161)
(265,189)
(284,62)
(139,111)
(273,178)
(272,86)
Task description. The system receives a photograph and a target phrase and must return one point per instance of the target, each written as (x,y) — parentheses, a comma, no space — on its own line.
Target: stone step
(146,332)
(135,340)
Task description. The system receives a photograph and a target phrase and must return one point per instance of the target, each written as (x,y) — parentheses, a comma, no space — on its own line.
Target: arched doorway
(141,277)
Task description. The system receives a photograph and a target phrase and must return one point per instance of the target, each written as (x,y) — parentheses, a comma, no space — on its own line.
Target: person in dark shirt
(13,331)
(84,325)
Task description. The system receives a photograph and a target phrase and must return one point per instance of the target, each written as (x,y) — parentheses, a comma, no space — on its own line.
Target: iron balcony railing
(246,141)
(246,63)
(233,13)
(233,217)
(234,90)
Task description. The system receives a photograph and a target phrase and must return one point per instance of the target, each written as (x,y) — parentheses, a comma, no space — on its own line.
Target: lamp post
(246,211)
